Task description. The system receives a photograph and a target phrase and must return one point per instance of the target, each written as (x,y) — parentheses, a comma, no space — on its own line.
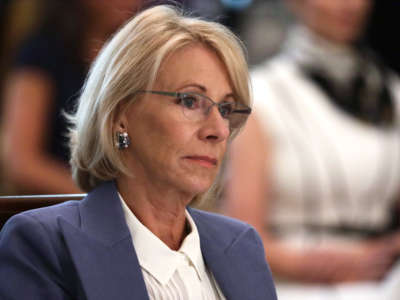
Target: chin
(198,186)
(348,35)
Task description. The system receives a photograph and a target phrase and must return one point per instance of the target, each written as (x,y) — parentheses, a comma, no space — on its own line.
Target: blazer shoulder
(32,251)
(46,216)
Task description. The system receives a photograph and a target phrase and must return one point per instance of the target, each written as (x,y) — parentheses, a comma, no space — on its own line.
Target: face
(169,150)
(341,21)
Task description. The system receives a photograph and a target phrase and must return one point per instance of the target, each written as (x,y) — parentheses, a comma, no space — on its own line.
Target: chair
(11,205)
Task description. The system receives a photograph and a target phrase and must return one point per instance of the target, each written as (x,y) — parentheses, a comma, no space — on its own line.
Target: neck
(161,211)
(310,51)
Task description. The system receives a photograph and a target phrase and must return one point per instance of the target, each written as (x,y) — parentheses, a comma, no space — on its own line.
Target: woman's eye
(189,101)
(225,109)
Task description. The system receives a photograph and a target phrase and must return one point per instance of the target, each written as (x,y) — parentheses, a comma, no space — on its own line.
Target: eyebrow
(204,90)
(199,86)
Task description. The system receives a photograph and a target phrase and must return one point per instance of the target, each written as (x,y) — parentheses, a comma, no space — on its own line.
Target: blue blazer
(83,250)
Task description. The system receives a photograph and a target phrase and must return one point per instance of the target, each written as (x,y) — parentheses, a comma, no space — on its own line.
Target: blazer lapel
(238,276)
(223,268)
(102,250)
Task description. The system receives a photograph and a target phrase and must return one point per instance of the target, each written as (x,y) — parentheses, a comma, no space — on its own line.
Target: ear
(121,120)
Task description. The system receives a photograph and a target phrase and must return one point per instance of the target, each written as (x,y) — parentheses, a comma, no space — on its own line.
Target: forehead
(335,6)
(194,63)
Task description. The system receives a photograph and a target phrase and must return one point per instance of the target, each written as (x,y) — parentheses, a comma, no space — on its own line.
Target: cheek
(319,16)
(166,137)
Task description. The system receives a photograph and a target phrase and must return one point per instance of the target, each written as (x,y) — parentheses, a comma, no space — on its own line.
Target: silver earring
(123,140)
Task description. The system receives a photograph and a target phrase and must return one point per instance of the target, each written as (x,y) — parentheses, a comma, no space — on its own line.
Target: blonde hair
(129,62)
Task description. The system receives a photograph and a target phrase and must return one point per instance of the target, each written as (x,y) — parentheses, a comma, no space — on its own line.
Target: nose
(214,128)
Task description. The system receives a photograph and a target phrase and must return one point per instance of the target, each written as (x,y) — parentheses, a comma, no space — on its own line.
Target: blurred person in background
(44,81)
(317,170)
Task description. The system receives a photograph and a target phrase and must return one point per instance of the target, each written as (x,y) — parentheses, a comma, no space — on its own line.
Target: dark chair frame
(11,205)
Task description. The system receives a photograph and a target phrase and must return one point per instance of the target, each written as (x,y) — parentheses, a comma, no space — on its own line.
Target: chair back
(11,205)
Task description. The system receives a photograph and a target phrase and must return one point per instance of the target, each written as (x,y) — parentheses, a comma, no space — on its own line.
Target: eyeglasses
(196,107)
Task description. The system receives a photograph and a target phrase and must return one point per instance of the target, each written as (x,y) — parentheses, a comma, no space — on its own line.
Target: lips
(203,160)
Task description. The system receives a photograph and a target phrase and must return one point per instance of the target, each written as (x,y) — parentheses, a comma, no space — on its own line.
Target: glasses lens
(225,109)
(193,106)
(196,107)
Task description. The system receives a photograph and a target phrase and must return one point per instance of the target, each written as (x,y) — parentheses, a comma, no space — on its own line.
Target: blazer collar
(102,216)
(102,250)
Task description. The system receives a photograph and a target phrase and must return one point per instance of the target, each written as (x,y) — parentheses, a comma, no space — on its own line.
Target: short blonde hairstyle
(129,62)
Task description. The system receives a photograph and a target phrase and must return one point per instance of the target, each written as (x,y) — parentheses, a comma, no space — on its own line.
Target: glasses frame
(242,109)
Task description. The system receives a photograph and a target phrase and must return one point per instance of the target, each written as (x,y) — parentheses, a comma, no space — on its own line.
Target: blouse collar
(156,257)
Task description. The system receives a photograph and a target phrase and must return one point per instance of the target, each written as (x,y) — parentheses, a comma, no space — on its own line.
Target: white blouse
(170,274)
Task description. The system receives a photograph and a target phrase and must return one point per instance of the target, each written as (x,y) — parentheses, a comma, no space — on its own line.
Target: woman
(325,168)
(147,141)
(45,79)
